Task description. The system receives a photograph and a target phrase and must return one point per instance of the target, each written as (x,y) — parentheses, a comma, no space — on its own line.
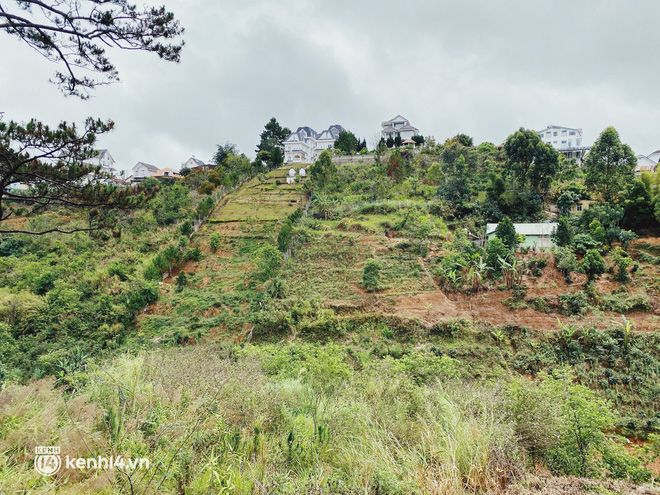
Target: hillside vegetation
(341,334)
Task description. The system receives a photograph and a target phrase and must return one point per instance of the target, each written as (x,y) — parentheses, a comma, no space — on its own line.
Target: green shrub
(451,328)
(181,282)
(574,304)
(215,240)
(584,242)
(268,260)
(623,302)
(541,304)
(592,264)
(192,254)
(371,275)
(186,228)
(206,188)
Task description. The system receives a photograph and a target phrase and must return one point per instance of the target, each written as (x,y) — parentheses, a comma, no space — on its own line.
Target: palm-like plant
(512,271)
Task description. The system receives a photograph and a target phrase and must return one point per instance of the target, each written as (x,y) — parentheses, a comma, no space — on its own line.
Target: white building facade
(107,163)
(193,162)
(567,140)
(305,145)
(398,125)
(143,170)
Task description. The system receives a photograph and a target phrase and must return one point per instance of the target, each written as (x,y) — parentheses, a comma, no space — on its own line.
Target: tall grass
(263,420)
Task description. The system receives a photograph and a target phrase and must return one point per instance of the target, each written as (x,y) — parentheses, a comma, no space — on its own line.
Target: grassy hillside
(268,360)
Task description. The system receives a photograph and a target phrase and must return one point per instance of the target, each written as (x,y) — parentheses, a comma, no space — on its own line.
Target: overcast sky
(479,67)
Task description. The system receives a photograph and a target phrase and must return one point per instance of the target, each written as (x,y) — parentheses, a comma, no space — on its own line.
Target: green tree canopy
(563,236)
(638,204)
(419,139)
(223,152)
(506,232)
(55,163)
(270,149)
(346,142)
(592,264)
(610,165)
(530,161)
(323,171)
(77,33)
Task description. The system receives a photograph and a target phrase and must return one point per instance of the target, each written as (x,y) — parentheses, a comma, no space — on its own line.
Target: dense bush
(576,303)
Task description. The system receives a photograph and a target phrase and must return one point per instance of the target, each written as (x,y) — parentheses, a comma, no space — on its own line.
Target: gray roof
(559,127)
(333,131)
(149,167)
(398,118)
(199,162)
(527,228)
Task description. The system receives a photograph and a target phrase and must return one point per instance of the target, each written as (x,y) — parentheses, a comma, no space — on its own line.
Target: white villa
(566,140)
(647,163)
(106,162)
(193,162)
(305,145)
(398,125)
(143,170)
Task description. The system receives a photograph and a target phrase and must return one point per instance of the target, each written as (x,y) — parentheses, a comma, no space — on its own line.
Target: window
(578,207)
(572,133)
(554,133)
(563,142)
(549,134)
(563,133)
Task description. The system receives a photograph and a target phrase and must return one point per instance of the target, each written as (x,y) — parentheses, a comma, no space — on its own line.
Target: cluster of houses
(141,170)
(305,144)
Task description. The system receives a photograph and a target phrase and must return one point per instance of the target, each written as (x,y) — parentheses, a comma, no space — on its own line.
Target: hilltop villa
(398,125)
(305,145)
(106,162)
(193,163)
(647,163)
(143,170)
(566,140)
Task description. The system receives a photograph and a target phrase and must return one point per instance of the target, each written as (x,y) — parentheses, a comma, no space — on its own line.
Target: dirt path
(431,307)
(217,209)
(428,274)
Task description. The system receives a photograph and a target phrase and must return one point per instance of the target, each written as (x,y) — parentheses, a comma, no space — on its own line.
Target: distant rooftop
(527,228)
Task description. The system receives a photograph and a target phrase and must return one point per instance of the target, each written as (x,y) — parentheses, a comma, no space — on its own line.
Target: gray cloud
(480,67)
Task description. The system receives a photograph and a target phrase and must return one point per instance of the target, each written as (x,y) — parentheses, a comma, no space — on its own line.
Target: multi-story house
(143,170)
(566,140)
(647,163)
(106,162)
(305,145)
(398,125)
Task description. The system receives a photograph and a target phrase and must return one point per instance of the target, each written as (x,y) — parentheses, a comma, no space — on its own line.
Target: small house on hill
(143,170)
(537,235)
(193,163)
(167,173)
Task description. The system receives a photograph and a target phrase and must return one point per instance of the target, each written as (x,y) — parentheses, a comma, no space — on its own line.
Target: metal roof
(537,229)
